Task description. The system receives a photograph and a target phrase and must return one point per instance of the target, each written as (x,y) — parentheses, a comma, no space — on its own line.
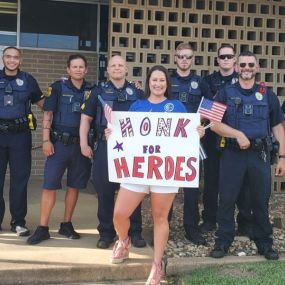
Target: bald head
(117,68)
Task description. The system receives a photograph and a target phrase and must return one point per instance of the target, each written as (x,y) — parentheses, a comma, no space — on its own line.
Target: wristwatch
(282,156)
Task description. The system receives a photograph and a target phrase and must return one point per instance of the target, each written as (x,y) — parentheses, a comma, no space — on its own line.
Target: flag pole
(211,124)
(200,102)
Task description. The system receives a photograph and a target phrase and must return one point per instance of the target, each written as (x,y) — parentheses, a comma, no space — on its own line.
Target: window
(63,25)
(104,23)
(8,23)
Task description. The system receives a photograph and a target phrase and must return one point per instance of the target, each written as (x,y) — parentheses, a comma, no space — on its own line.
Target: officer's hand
(280,168)
(48,148)
(201,131)
(86,150)
(108,132)
(137,84)
(243,141)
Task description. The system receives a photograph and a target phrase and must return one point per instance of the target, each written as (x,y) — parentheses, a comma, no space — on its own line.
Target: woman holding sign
(157,94)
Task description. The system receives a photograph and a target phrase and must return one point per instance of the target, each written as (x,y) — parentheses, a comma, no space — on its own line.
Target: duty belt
(15,125)
(101,137)
(65,138)
(255,144)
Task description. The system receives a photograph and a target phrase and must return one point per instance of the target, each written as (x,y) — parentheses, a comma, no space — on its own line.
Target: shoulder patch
(49,90)
(87,94)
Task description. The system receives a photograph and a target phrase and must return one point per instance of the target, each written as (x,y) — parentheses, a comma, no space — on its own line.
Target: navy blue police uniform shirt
(91,104)
(216,81)
(283,107)
(34,92)
(52,103)
(189,90)
(275,113)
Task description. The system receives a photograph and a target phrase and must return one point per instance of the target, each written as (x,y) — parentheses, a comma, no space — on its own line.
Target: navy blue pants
(211,186)
(235,166)
(106,196)
(15,149)
(191,214)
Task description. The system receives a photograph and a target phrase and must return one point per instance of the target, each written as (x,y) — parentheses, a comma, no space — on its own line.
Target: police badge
(129,91)
(19,82)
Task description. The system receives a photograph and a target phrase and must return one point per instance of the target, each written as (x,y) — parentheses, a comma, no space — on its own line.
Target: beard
(184,67)
(245,75)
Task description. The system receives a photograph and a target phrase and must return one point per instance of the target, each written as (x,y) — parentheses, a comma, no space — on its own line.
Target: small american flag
(211,110)
(107,109)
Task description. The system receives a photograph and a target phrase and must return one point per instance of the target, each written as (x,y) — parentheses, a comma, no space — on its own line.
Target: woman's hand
(107,133)
(201,131)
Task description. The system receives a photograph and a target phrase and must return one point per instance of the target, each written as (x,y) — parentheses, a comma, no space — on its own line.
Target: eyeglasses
(250,64)
(224,56)
(182,56)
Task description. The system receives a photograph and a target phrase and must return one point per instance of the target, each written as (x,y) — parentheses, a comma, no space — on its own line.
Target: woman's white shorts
(149,188)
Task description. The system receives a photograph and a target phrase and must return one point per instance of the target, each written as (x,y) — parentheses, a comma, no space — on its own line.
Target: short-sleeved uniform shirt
(52,103)
(33,89)
(275,113)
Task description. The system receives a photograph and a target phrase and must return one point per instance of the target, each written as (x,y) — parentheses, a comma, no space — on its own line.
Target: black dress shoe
(196,238)
(104,243)
(138,241)
(219,251)
(66,229)
(206,227)
(268,252)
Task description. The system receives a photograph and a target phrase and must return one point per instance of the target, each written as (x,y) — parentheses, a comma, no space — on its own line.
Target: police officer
(61,122)
(18,90)
(119,94)
(189,89)
(226,75)
(247,127)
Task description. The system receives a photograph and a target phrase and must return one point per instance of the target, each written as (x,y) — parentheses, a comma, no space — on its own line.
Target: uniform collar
(227,78)
(248,92)
(9,77)
(186,78)
(118,89)
(71,85)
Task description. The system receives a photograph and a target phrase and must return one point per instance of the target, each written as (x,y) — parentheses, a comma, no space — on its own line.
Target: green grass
(261,273)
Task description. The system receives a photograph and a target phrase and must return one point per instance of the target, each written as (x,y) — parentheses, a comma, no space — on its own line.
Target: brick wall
(46,67)
(147,32)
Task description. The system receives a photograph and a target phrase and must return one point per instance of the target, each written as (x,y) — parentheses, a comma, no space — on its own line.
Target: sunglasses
(181,56)
(250,64)
(228,56)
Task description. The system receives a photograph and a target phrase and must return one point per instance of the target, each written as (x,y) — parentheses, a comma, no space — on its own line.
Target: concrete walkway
(60,260)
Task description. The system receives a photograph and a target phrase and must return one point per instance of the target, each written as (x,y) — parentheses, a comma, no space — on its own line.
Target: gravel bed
(179,246)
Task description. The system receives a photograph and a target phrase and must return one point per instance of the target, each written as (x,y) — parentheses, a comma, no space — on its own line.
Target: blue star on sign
(118,146)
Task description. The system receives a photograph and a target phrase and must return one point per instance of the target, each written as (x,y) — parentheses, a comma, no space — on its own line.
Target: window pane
(61,25)
(104,20)
(8,22)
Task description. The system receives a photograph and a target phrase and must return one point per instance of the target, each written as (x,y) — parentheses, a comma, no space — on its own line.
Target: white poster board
(154,148)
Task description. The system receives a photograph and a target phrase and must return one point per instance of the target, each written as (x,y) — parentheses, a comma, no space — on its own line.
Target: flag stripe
(212,110)
(107,109)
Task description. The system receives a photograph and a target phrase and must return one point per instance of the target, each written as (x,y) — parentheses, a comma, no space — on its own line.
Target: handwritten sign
(154,149)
